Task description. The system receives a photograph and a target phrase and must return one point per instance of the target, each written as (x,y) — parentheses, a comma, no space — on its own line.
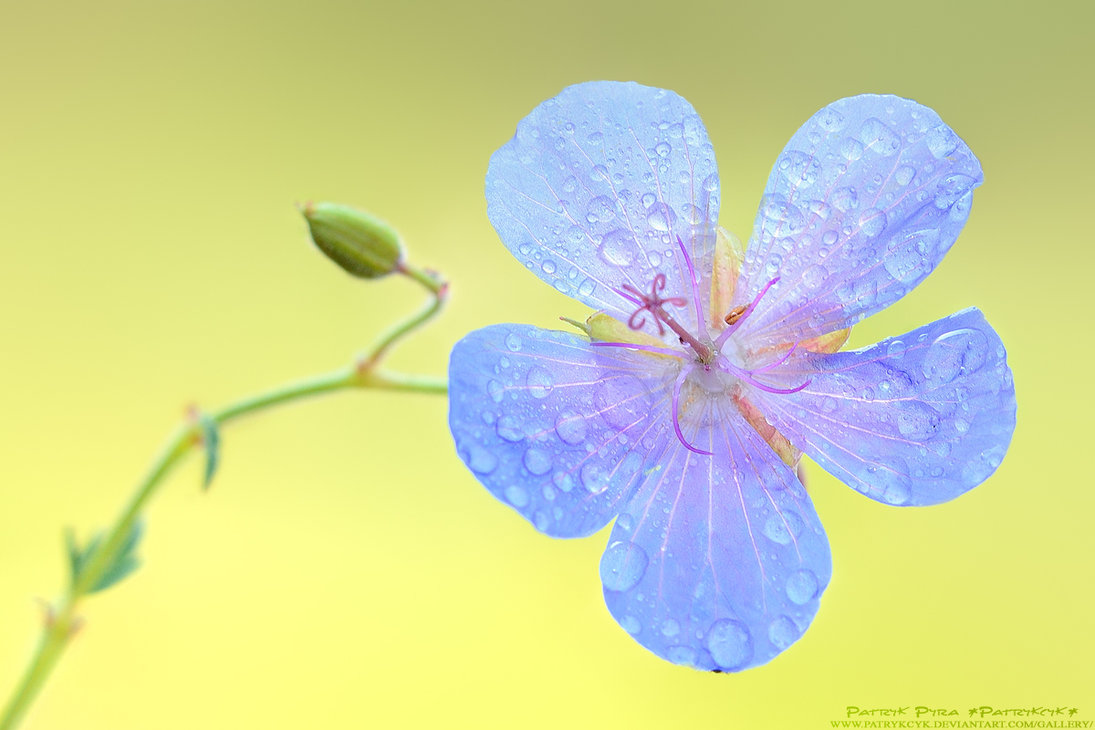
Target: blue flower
(683,406)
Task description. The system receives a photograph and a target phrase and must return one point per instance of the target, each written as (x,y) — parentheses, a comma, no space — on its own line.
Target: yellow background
(345,570)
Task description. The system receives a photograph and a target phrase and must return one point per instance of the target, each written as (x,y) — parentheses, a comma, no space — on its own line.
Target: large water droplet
(631,625)
(618,248)
(623,565)
(601,210)
(663,149)
(782,632)
(952,353)
(830,120)
(844,199)
(730,644)
(799,168)
(783,528)
(513,342)
(904,175)
(496,390)
(878,137)
(537,461)
(802,586)
(872,221)
(571,427)
(942,141)
(593,477)
(516,495)
(917,421)
(539,382)
(814,276)
(509,429)
(661,217)
(480,460)
(670,628)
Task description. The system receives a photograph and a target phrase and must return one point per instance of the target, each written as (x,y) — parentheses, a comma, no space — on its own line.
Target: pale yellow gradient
(345,570)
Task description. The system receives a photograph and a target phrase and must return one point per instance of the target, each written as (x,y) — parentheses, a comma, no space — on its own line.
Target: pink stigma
(651,303)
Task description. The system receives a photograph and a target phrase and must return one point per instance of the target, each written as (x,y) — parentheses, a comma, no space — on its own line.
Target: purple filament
(676,413)
(748,311)
(777,363)
(695,290)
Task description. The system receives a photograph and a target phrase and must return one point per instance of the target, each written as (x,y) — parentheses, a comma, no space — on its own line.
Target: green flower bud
(360,243)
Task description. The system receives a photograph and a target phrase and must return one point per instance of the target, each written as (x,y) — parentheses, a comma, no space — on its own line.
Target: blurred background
(345,570)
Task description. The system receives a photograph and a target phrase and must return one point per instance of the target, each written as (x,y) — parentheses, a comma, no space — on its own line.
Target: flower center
(715,367)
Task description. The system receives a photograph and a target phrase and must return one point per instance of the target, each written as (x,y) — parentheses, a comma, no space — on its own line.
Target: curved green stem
(63,621)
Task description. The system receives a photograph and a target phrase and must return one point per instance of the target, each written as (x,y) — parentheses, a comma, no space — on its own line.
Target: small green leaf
(124,563)
(212,440)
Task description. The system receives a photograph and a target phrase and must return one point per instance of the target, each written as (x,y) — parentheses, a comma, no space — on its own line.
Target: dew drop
(516,495)
(942,141)
(513,342)
(563,480)
(670,628)
(509,429)
(802,586)
(878,137)
(618,248)
(571,427)
(537,461)
(663,149)
(594,478)
(952,353)
(480,460)
(548,266)
(783,528)
(814,276)
(661,217)
(623,565)
(830,119)
(730,644)
(828,238)
(601,210)
(782,632)
(844,199)
(496,390)
(539,382)
(904,175)
(631,624)
(683,655)
(872,221)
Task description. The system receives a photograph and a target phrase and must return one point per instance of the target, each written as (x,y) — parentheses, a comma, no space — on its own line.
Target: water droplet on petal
(623,565)
(783,528)
(631,625)
(814,276)
(618,248)
(663,149)
(730,644)
(878,137)
(496,390)
(661,217)
(942,141)
(480,460)
(537,461)
(516,495)
(872,221)
(802,586)
(670,628)
(513,342)
(594,478)
(509,429)
(782,632)
(539,382)
(571,427)
(904,175)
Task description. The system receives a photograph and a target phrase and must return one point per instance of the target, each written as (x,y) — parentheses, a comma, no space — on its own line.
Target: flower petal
(862,204)
(596,186)
(914,420)
(717,562)
(553,426)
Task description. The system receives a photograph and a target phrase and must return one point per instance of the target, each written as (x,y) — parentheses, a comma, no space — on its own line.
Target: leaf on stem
(211,439)
(123,564)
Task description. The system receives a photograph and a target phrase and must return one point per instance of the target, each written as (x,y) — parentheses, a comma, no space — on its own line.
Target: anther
(735,314)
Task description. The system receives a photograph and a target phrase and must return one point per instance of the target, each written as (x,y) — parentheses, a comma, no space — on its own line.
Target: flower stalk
(62,621)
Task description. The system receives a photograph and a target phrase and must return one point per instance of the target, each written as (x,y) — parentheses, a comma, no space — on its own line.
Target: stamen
(644,348)
(777,363)
(676,413)
(747,376)
(748,310)
(695,290)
